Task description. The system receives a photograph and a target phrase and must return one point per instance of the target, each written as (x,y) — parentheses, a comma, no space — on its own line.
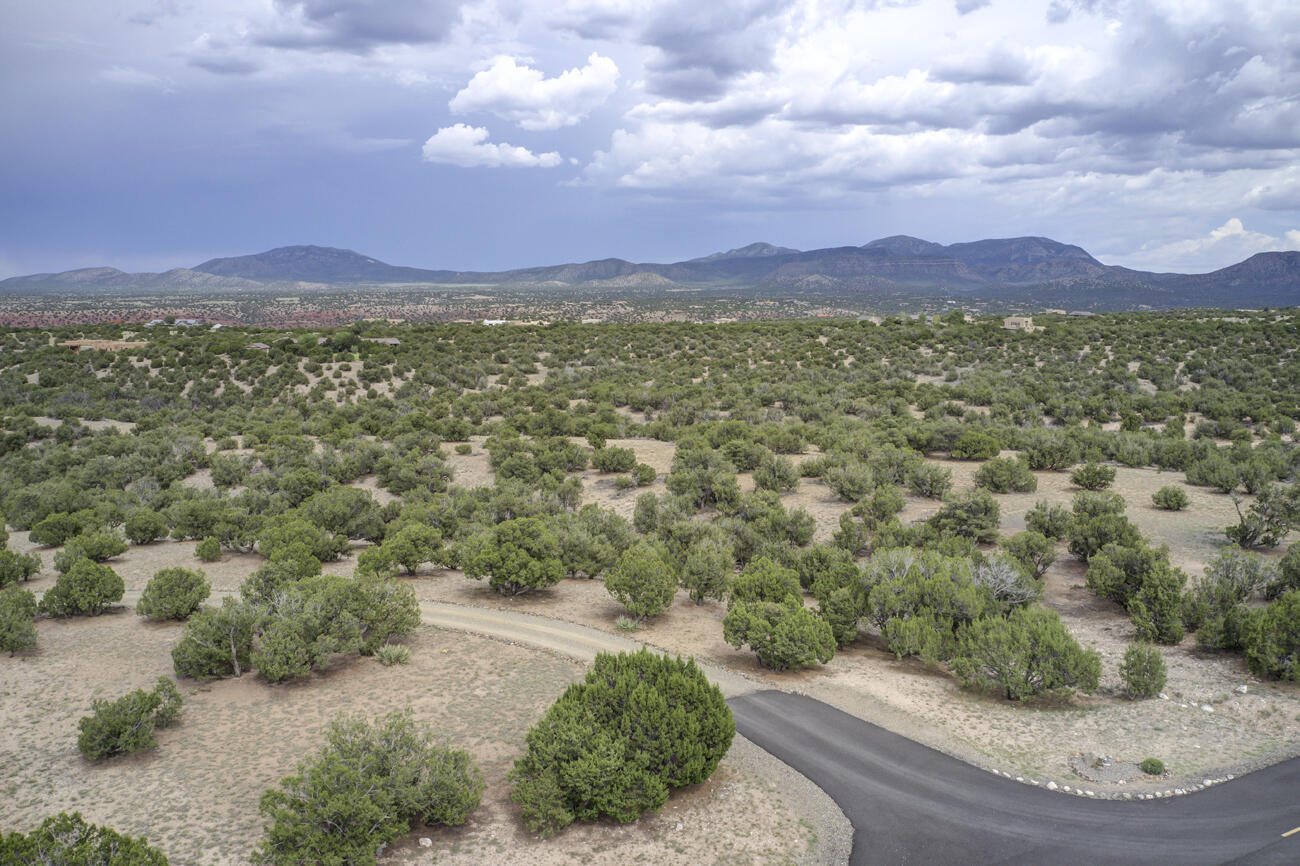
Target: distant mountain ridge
(1034,270)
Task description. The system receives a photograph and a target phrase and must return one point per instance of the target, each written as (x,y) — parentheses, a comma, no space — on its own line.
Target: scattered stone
(1089,794)
(1164,697)
(1207,782)
(1207,708)
(679,825)
(426,842)
(1051,786)
(1128,796)
(1241,690)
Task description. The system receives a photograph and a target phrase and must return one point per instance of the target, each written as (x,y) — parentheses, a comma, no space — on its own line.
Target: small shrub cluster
(173,593)
(68,840)
(369,784)
(85,589)
(127,724)
(1143,671)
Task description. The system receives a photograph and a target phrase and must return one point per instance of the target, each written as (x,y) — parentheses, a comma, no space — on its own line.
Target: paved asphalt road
(911,804)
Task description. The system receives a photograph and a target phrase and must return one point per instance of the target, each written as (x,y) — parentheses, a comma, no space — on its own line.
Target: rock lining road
(912,804)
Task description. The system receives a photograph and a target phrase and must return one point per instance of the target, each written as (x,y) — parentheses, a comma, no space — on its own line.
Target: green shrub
(1170,498)
(782,635)
(919,601)
(95,546)
(765,580)
(616,744)
(67,840)
(613,460)
(291,531)
(929,480)
(1093,476)
(86,589)
(975,445)
(1027,654)
(643,474)
(127,724)
(1006,475)
(17,615)
(1032,550)
(464,448)
(1288,573)
(516,556)
(1152,766)
(55,529)
(624,482)
(145,526)
(1050,450)
(208,550)
(1088,535)
(850,481)
(707,570)
(1217,472)
(642,581)
(973,514)
(393,654)
(1143,670)
(1050,521)
(776,473)
(173,593)
(17,567)
(367,786)
(1273,639)
(217,641)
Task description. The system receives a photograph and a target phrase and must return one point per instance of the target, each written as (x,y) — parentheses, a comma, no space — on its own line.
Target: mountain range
(1030,270)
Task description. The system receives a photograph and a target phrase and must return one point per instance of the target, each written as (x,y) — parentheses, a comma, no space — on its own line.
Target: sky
(492,134)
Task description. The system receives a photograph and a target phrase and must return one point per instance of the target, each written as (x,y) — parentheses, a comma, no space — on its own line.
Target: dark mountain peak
(752,251)
(1026,250)
(313,264)
(905,245)
(1277,269)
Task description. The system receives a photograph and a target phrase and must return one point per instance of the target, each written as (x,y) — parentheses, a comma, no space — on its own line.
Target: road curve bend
(911,804)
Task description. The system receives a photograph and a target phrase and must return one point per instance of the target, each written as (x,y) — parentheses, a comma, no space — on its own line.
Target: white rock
(679,825)
(1020,778)
(1164,697)
(1051,786)
(426,842)
(1089,794)
(1207,708)
(1128,796)
(1241,690)
(1207,782)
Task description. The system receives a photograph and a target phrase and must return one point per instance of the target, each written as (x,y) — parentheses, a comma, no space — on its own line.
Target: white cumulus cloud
(468,146)
(1230,242)
(523,95)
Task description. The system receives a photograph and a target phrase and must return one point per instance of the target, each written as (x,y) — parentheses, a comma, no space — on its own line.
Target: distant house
(261,347)
(386,341)
(1018,323)
(494,321)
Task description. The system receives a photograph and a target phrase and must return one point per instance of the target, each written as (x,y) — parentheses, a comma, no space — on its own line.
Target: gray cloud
(701,47)
(359,25)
